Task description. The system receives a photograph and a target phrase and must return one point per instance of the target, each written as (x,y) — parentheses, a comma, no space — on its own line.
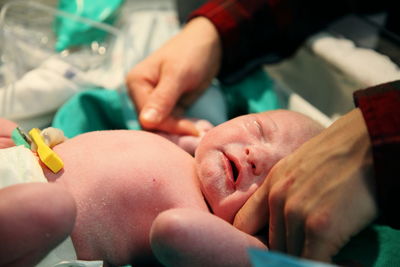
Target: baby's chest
(113,203)
(118,219)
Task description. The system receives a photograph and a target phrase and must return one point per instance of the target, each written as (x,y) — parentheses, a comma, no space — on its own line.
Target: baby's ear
(6,128)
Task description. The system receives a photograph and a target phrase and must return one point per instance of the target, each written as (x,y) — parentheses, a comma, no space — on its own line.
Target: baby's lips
(233,169)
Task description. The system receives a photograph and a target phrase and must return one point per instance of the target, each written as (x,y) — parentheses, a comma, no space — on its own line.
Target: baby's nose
(257,160)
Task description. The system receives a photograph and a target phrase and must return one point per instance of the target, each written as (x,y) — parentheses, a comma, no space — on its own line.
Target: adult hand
(170,79)
(315,199)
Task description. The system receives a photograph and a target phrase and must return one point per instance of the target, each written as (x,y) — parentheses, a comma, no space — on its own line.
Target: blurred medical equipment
(35,80)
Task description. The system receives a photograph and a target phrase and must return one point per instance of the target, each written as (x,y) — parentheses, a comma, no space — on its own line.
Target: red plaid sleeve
(255,32)
(228,15)
(243,26)
(380,106)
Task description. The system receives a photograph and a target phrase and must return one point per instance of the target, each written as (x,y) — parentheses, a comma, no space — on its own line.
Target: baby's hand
(189,143)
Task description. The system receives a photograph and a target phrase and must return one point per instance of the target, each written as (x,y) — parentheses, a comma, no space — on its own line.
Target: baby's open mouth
(235,171)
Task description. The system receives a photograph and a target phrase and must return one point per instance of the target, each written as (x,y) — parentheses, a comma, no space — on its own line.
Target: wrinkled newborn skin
(234,158)
(121,180)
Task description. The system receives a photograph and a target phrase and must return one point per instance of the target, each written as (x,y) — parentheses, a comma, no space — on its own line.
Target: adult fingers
(319,250)
(178,125)
(253,216)
(154,100)
(162,100)
(140,82)
(321,242)
(294,218)
(277,224)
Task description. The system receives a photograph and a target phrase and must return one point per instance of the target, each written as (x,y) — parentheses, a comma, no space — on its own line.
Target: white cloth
(41,91)
(19,165)
(36,81)
(327,70)
(366,66)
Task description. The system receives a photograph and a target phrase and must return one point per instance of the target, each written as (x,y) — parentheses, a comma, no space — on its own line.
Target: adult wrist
(381,112)
(204,31)
(350,132)
(349,139)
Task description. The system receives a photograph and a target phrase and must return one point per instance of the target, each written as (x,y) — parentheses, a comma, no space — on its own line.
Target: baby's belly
(118,198)
(113,222)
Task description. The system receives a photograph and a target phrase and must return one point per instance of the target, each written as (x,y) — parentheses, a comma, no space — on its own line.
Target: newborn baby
(142,200)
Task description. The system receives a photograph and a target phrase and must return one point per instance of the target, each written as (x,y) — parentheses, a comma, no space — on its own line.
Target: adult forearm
(380,106)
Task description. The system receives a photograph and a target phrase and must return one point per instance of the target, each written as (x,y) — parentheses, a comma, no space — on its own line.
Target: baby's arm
(34,218)
(184,237)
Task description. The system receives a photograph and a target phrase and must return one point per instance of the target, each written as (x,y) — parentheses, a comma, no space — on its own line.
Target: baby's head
(235,157)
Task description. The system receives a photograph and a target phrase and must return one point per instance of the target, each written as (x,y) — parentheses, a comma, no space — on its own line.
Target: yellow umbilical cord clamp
(46,154)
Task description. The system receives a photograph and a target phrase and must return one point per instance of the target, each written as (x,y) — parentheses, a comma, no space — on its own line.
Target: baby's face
(234,158)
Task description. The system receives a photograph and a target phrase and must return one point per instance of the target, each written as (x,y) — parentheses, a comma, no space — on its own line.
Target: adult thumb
(253,216)
(160,103)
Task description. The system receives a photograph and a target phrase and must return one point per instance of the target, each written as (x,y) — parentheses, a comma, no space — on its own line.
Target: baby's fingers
(162,101)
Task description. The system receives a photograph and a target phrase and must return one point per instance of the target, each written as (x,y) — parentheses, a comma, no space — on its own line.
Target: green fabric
(72,32)
(91,110)
(253,94)
(377,246)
